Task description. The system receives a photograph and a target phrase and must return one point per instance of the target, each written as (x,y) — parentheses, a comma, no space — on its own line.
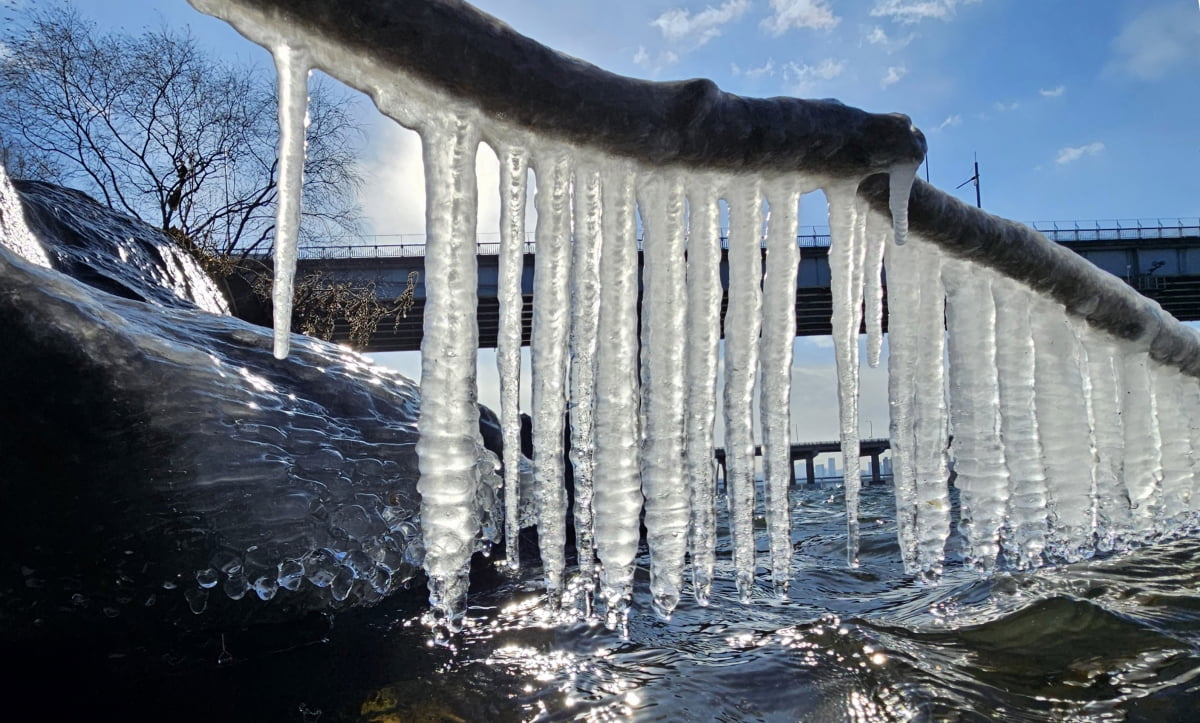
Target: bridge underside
(1179,296)
(813,309)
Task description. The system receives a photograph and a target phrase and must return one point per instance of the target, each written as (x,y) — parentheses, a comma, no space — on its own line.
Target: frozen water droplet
(206,578)
(266,587)
(342,583)
(291,574)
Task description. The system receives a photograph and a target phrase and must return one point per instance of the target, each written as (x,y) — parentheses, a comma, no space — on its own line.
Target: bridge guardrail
(369,247)
(1118,229)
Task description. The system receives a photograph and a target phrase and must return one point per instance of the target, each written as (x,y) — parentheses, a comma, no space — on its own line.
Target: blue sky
(1077,109)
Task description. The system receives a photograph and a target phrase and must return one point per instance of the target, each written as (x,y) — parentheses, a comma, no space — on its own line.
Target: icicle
(292,66)
(743,319)
(904,296)
(1143,447)
(1176,449)
(929,411)
(1018,425)
(449,444)
(877,234)
(551,325)
(513,182)
(1066,439)
(900,182)
(703,340)
(585,306)
(1106,385)
(778,337)
(847,225)
(617,500)
(981,477)
(663,327)
(1191,404)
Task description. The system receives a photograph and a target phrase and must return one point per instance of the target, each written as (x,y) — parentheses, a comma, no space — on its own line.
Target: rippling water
(1112,639)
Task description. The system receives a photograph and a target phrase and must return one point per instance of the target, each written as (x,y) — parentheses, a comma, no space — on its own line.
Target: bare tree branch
(158,129)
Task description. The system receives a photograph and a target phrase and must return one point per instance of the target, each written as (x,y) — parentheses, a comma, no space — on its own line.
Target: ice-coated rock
(159,459)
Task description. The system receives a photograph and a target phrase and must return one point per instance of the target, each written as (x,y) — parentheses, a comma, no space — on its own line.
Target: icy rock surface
(111,252)
(158,458)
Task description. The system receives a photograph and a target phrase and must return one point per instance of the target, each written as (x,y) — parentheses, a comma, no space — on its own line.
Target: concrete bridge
(808,451)
(1158,257)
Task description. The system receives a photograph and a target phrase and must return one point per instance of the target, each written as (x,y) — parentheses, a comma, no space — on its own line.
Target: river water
(1113,639)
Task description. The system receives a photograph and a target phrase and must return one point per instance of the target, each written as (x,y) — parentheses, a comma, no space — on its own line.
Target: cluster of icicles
(1064,441)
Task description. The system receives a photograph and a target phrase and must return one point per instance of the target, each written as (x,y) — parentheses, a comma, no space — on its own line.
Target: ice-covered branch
(1024,255)
(458,51)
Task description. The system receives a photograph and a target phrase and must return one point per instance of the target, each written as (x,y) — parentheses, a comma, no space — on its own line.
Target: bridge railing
(413,245)
(1119,229)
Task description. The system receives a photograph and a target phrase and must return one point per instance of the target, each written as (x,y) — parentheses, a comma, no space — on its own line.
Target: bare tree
(155,128)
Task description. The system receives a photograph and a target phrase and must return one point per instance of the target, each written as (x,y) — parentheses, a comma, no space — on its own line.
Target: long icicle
(904,297)
(930,434)
(551,325)
(778,337)
(1066,438)
(1176,448)
(878,233)
(1106,384)
(661,200)
(617,500)
(449,444)
(1191,403)
(1143,446)
(585,308)
(292,66)
(1027,512)
(743,319)
(847,225)
(514,179)
(703,344)
(981,477)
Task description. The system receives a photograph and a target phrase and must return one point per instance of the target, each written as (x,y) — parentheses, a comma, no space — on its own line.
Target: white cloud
(681,26)
(788,14)
(1006,107)
(393,196)
(767,69)
(803,77)
(1053,92)
(1074,153)
(893,75)
(914,11)
(877,36)
(951,120)
(655,65)
(1157,41)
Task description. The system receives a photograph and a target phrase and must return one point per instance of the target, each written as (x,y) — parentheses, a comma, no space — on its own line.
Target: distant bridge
(1158,257)
(808,452)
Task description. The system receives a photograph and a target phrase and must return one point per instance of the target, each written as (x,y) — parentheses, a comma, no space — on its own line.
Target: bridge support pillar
(810,470)
(875,478)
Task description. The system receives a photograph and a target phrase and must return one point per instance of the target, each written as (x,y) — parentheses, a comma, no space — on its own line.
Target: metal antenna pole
(974,179)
